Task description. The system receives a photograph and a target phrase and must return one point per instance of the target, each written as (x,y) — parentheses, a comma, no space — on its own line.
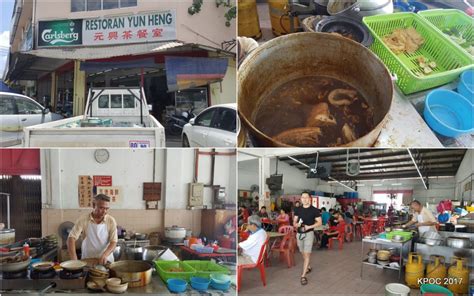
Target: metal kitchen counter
(447,252)
(156,287)
(405,127)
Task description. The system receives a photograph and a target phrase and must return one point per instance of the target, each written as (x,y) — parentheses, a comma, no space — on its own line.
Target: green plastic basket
(164,266)
(405,234)
(448,19)
(204,268)
(450,60)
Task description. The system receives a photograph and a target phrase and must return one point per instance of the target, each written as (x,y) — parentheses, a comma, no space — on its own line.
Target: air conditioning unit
(196,194)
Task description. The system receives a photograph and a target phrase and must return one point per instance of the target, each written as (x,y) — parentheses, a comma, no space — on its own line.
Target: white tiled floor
(335,272)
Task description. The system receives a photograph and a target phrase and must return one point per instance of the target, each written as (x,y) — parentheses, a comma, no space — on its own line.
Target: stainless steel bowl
(117,253)
(152,253)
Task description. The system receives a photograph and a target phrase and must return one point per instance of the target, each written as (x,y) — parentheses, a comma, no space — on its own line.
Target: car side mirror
(191,121)
(150,107)
(46,111)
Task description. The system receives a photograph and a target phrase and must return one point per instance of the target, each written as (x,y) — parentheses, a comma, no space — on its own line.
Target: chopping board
(224,251)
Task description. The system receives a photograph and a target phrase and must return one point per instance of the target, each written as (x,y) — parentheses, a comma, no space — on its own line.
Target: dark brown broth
(289,106)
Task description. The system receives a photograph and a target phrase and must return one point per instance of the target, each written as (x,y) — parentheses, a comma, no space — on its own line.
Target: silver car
(18,111)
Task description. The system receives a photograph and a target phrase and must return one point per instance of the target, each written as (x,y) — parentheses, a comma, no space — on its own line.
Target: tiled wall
(143,221)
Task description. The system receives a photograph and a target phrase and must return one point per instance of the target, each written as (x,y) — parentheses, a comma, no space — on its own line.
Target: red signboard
(102,180)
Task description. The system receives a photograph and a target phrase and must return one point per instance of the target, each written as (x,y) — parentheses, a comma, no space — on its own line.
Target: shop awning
(88,53)
(102,66)
(20,162)
(187,72)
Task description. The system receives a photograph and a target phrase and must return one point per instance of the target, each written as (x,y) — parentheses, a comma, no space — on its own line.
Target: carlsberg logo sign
(55,37)
(60,33)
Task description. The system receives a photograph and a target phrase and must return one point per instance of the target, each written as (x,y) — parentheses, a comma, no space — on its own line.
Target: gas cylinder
(458,276)
(414,270)
(436,269)
(248,23)
(281,22)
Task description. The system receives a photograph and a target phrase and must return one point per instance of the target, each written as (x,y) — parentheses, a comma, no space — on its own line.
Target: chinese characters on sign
(159,26)
(138,28)
(85,191)
(102,180)
(113,192)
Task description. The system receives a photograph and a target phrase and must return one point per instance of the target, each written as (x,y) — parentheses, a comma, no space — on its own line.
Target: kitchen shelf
(385,242)
(380,266)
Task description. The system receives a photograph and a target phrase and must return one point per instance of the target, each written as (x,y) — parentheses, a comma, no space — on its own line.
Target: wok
(297,55)
(15,266)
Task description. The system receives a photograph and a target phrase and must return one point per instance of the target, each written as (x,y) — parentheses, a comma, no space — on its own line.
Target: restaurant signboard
(59,33)
(138,28)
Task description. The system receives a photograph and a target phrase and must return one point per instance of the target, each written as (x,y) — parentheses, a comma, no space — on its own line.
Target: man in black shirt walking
(306,219)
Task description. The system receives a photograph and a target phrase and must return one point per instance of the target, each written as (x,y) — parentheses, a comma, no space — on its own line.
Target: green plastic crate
(450,60)
(405,234)
(448,19)
(204,268)
(164,266)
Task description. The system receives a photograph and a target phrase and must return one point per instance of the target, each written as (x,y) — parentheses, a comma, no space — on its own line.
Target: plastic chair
(381,225)
(260,265)
(367,228)
(286,249)
(340,236)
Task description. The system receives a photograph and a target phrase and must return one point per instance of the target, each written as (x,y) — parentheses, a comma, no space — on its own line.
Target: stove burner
(46,274)
(14,275)
(69,275)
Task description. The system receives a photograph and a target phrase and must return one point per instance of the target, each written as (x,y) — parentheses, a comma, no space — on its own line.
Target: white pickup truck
(114,117)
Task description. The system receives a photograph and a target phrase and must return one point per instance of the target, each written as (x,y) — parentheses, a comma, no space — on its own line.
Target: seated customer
(263,212)
(283,218)
(333,230)
(252,246)
(325,215)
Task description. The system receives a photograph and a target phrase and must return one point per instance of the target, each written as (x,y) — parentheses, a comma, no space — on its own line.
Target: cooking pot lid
(174,227)
(373,4)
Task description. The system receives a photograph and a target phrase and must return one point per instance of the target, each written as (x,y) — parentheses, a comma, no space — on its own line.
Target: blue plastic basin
(448,113)
(177,285)
(199,283)
(466,85)
(218,286)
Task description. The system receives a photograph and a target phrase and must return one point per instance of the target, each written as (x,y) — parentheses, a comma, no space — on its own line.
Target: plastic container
(449,58)
(466,85)
(396,289)
(405,234)
(164,267)
(434,289)
(448,113)
(448,19)
(220,278)
(199,283)
(205,268)
(205,250)
(222,287)
(177,285)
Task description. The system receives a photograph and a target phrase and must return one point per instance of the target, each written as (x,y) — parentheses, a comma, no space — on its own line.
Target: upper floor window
(90,5)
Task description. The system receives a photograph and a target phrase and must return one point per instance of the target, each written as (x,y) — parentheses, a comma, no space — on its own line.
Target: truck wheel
(185,141)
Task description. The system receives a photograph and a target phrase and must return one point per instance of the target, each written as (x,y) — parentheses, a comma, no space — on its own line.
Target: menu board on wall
(114,192)
(85,188)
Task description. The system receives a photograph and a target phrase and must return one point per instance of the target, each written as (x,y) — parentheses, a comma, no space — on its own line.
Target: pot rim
(274,42)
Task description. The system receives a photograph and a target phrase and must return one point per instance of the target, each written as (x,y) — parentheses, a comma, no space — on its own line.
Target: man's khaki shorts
(306,243)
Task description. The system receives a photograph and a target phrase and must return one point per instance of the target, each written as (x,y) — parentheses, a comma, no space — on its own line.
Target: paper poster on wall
(113,192)
(102,180)
(85,188)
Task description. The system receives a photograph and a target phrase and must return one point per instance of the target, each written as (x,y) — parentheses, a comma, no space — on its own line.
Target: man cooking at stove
(100,231)
(306,219)
(422,218)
